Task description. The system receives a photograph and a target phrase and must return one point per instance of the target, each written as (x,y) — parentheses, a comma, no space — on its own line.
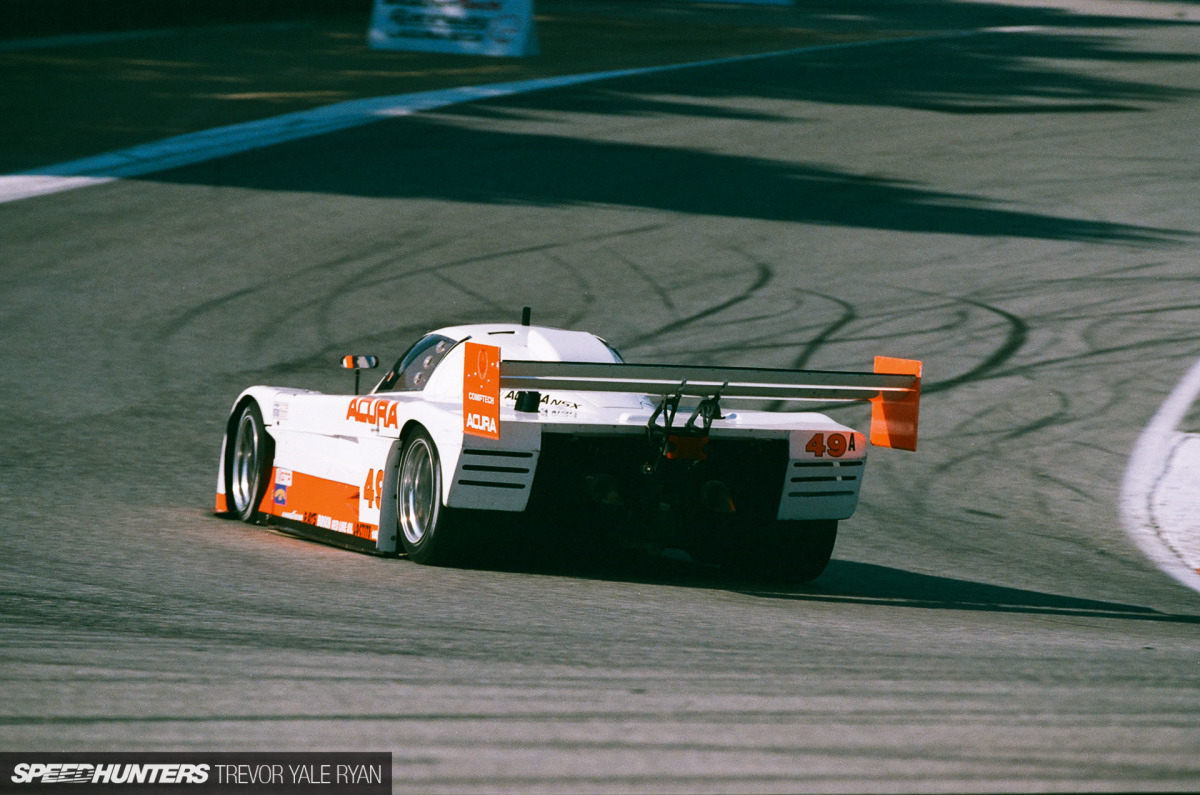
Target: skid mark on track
(763,322)
(663,294)
(1015,338)
(847,316)
(1049,403)
(398,289)
(762,277)
(268,323)
(583,288)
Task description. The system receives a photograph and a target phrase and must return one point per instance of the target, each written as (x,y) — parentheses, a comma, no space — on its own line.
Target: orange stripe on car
(317,501)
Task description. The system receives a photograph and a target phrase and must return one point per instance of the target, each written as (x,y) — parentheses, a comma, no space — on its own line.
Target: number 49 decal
(373,488)
(836,444)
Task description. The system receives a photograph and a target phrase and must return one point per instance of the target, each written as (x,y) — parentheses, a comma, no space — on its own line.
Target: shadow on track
(425,159)
(848,582)
(485,152)
(1017,71)
(844,582)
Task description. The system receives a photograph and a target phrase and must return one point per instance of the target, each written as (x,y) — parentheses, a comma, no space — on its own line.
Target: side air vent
(821,489)
(497,480)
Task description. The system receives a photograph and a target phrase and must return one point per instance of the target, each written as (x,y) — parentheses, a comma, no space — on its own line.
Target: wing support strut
(687,442)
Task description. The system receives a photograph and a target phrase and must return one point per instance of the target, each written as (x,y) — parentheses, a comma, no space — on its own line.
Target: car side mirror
(358,364)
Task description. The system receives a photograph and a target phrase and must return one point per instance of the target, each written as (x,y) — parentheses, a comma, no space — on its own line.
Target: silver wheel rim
(245,463)
(416,491)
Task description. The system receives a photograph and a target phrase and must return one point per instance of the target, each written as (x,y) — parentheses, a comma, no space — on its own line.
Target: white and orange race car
(488,429)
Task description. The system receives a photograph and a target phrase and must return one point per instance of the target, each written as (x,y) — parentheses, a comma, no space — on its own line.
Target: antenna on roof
(525,313)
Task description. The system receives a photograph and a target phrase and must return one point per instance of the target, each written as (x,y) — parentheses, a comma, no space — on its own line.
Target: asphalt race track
(1019,209)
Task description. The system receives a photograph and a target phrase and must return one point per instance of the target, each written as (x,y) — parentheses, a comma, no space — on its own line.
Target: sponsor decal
(548,402)
(324,503)
(379,412)
(360,529)
(481,390)
(481,425)
(336,525)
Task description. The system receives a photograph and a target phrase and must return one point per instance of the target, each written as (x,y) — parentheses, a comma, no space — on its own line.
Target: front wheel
(428,529)
(251,453)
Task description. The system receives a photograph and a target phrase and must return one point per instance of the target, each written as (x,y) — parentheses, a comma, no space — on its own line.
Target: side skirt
(320,534)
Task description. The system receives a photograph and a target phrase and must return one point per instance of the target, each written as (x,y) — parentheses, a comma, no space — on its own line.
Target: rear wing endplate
(894,389)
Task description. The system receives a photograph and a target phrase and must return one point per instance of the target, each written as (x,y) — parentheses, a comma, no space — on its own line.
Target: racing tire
(251,454)
(792,552)
(429,531)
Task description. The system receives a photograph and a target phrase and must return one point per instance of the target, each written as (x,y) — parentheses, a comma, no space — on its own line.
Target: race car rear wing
(894,389)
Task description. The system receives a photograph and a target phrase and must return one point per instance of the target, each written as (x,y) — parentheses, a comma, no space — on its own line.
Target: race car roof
(537,343)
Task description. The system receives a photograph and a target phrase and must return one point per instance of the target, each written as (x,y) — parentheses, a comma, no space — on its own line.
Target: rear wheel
(248,463)
(428,529)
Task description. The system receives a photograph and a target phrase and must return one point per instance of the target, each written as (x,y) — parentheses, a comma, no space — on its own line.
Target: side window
(411,373)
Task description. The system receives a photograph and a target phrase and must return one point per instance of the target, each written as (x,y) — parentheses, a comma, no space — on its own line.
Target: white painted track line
(1160,494)
(197,147)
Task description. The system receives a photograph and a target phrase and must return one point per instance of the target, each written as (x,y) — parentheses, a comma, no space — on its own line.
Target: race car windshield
(411,372)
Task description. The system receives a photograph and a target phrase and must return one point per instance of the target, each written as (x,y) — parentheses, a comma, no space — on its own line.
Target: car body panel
(336,456)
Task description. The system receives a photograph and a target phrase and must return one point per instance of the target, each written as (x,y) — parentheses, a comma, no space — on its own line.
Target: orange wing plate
(481,390)
(894,414)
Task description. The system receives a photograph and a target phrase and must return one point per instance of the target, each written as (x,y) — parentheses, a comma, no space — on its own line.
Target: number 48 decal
(836,444)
